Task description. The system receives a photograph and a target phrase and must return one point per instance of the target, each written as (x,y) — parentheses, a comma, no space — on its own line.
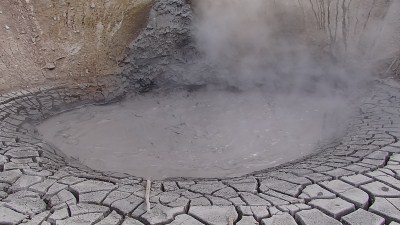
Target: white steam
(272,44)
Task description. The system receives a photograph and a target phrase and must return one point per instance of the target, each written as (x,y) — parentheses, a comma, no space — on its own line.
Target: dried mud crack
(352,181)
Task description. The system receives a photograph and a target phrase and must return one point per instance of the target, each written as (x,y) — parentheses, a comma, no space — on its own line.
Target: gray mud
(207,133)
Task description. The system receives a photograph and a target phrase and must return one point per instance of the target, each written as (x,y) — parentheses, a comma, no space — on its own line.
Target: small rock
(50,66)
(7,27)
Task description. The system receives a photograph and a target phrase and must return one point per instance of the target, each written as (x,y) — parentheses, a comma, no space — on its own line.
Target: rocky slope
(44,41)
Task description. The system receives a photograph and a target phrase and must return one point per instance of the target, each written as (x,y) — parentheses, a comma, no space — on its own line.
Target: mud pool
(207,133)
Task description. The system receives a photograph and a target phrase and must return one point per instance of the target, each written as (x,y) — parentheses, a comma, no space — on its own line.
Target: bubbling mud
(204,133)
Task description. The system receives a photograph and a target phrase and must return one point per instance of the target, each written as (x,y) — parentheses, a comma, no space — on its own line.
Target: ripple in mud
(209,133)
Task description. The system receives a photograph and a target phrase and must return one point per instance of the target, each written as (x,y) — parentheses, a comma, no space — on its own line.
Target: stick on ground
(230,221)
(147,195)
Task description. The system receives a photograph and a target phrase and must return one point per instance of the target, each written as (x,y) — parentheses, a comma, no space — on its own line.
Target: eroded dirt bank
(43,40)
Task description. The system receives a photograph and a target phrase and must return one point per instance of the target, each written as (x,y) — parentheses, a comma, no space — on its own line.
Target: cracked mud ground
(355,180)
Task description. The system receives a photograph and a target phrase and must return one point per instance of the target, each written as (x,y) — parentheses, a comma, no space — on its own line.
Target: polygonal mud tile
(334,207)
(9,216)
(84,208)
(226,193)
(201,201)
(260,212)
(112,219)
(167,197)
(385,178)
(58,214)
(25,204)
(43,186)
(362,217)
(63,196)
(163,214)
(280,186)
(315,217)
(253,200)
(357,168)
(284,219)
(348,192)
(379,189)
(378,155)
(10,176)
(132,188)
(395,157)
(207,187)
(245,210)
(130,221)
(388,208)
(285,197)
(247,220)
(339,172)
(248,186)
(390,149)
(40,173)
(37,219)
(128,204)
(318,177)
(92,186)
(237,201)
(218,201)
(293,209)
(274,200)
(24,182)
(3,159)
(374,162)
(71,180)
(357,180)
(216,215)
(19,153)
(289,177)
(54,189)
(182,201)
(93,197)
(114,196)
(274,211)
(170,186)
(83,219)
(185,220)
(316,192)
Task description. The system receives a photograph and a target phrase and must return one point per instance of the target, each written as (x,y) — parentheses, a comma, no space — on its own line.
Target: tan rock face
(45,40)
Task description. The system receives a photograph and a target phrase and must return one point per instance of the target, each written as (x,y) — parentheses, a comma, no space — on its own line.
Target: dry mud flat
(353,181)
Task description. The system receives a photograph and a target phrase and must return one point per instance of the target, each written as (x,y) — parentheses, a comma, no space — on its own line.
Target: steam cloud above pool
(270,44)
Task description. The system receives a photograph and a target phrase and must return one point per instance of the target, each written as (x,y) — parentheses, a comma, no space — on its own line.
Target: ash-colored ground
(193,134)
